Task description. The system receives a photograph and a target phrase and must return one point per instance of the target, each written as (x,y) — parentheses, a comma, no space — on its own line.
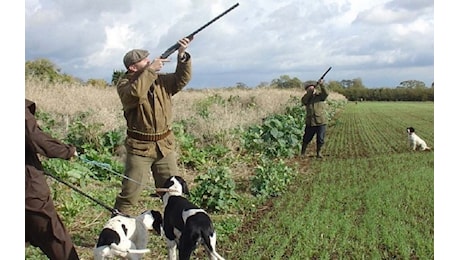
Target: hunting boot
(304,149)
(318,152)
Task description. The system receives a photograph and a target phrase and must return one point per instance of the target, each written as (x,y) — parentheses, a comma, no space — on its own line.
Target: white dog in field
(127,237)
(415,141)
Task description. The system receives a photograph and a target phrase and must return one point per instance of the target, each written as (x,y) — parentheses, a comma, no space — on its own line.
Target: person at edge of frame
(43,227)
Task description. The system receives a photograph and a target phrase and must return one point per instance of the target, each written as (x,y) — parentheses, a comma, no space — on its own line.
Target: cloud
(256,42)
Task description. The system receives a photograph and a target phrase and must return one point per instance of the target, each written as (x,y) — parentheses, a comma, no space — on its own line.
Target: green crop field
(369,198)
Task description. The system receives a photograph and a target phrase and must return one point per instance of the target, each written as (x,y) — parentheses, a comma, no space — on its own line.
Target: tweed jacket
(147,106)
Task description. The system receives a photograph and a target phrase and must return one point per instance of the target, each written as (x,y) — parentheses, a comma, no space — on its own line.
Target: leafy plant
(95,147)
(278,136)
(271,178)
(46,121)
(112,140)
(197,157)
(102,165)
(90,136)
(189,154)
(215,190)
(82,134)
(72,172)
(228,225)
(70,207)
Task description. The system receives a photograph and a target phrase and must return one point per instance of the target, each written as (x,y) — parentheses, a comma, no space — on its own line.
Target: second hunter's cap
(309,84)
(134,56)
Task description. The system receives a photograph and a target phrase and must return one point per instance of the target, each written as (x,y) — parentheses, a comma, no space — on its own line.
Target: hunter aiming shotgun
(176,46)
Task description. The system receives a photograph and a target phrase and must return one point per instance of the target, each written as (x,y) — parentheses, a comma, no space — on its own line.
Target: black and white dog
(415,141)
(186,226)
(127,237)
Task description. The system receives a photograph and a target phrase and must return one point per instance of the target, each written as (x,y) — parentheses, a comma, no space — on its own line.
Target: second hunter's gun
(176,46)
(324,74)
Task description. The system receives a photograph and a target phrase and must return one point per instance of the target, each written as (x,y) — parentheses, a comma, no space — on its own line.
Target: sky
(381,42)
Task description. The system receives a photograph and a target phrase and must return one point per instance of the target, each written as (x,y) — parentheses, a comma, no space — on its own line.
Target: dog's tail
(206,238)
(216,255)
(130,251)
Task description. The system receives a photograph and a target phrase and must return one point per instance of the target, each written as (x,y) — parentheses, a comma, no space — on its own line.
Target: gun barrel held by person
(176,46)
(324,74)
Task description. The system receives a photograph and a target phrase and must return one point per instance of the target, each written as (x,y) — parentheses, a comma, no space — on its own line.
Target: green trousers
(137,169)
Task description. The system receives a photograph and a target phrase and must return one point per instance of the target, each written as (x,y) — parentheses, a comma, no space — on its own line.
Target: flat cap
(309,83)
(134,56)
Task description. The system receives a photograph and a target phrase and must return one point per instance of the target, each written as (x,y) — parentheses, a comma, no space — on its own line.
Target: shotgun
(324,74)
(176,46)
(317,82)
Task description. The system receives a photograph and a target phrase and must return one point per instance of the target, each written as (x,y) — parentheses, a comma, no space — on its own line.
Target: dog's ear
(185,188)
(184,185)
(156,215)
(179,178)
(157,221)
(168,183)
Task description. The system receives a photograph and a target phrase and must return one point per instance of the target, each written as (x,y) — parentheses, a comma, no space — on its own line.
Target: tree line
(353,90)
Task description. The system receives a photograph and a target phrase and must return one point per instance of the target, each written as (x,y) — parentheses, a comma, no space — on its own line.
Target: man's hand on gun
(183,45)
(158,63)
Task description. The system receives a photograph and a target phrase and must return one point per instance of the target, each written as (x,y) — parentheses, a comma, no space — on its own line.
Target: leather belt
(147,137)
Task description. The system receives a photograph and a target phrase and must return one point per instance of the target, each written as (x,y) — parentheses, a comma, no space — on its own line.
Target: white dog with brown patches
(415,142)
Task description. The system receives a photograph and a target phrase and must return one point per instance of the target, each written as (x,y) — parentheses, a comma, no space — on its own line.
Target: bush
(271,178)
(215,190)
(278,136)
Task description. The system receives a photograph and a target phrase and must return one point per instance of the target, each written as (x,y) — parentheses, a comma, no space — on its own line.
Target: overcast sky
(383,42)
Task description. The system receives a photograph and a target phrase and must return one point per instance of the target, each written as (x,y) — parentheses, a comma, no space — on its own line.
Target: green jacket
(315,106)
(147,106)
